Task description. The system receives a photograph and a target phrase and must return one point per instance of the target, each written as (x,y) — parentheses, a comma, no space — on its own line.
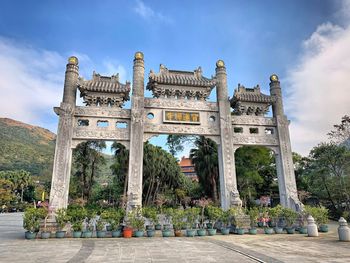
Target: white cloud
(31,81)
(148,13)
(319,86)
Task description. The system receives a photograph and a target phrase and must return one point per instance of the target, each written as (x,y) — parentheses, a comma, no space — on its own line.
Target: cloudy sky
(307,43)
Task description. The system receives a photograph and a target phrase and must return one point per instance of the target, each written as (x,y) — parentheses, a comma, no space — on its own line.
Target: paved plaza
(233,248)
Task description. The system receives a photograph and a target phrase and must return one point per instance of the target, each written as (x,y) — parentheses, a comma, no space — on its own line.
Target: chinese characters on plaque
(181,117)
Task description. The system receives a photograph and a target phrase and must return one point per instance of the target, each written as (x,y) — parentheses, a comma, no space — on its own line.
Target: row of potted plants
(202,220)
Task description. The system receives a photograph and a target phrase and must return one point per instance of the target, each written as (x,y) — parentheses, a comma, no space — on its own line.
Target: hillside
(23,146)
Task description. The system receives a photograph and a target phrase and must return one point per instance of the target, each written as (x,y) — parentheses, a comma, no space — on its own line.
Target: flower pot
(45,235)
(209,226)
(211,231)
(324,228)
(127,232)
(158,227)
(290,230)
(225,231)
(151,232)
(178,233)
(260,224)
(201,232)
(108,228)
(302,230)
(76,234)
(87,234)
(139,233)
(268,231)
(278,230)
(116,233)
(30,235)
(149,227)
(240,231)
(253,231)
(190,232)
(166,233)
(60,234)
(101,234)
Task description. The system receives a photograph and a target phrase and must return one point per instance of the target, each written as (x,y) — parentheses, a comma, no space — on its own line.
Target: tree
(327,175)
(175,142)
(6,192)
(256,172)
(205,160)
(87,157)
(120,168)
(341,134)
(20,181)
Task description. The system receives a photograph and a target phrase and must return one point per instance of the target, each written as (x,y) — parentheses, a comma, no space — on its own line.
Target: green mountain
(27,147)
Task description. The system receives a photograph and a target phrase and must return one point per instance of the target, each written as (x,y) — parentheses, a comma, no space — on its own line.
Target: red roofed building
(187,168)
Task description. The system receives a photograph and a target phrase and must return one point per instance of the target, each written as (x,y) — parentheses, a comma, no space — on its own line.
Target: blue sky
(302,41)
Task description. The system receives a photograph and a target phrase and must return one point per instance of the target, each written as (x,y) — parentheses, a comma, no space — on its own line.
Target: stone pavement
(233,248)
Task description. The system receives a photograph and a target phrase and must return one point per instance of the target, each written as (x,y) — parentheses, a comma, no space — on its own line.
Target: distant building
(187,168)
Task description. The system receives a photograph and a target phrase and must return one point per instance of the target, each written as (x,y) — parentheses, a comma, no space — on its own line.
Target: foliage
(233,214)
(76,216)
(150,213)
(214,214)
(26,147)
(100,224)
(191,216)
(20,181)
(32,217)
(205,160)
(135,219)
(168,212)
(113,217)
(256,173)
(253,215)
(6,193)
(87,157)
(341,134)
(225,218)
(290,216)
(178,219)
(320,214)
(61,218)
(275,212)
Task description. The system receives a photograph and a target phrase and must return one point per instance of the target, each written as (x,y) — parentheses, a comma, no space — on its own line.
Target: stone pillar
(343,230)
(312,230)
(228,183)
(284,161)
(136,134)
(63,151)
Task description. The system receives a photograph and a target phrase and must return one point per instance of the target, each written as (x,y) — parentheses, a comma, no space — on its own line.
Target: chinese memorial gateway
(180,107)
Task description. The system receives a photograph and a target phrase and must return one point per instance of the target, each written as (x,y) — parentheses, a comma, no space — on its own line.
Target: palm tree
(205,160)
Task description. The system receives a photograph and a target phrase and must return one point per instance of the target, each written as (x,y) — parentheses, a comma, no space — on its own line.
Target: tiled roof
(104,84)
(250,95)
(185,162)
(181,78)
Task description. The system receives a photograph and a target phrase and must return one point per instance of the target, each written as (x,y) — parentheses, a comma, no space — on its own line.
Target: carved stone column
(63,151)
(136,134)
(228,183)
(284,161)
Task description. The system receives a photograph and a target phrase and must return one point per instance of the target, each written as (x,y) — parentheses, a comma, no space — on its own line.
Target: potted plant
(100,227)
(31,221)
(178,217)
(253,215)
(214,214)
(61,220)
(191,218)
(225,219)
(302,229)
(235,215)
(323,219)
(151,214)
(113,218)
(166,232)
(77,216)
(275,213)
(290,216)
(137,222)
(202,203)
(89,223)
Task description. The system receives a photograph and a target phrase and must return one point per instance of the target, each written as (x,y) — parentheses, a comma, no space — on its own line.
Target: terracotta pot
(127,232)
(178,233)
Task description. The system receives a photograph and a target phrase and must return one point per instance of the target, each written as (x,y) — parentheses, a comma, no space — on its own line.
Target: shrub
(191,216)
(178,219)
(61,218)
(32,217)
(214,214)
(151,214)
(290,216)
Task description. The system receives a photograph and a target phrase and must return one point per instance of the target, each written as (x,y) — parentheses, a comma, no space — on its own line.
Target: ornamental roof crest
(104,91)
(250,101)
(180,84)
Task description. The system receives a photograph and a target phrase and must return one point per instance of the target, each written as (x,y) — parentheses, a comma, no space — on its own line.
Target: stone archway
(179,106)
